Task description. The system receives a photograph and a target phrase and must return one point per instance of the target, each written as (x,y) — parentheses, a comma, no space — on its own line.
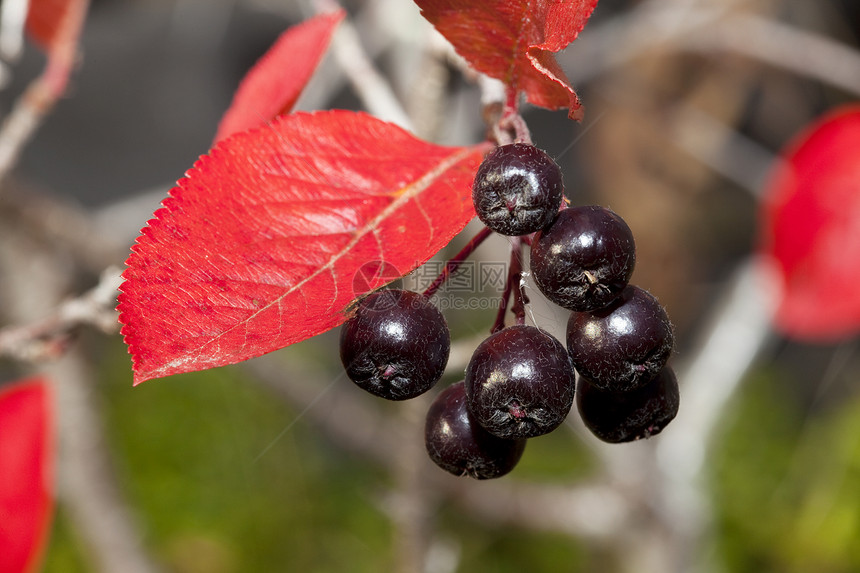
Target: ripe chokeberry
(584,259)
(520,383)
(517,190)
(617,417)
(396,345)
(624,345)
(459,445)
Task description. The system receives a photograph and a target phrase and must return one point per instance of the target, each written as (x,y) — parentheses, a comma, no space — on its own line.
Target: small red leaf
(810,222)
(55,25)
(514,41)
(26,467)
(259,246)
(275,82)
(49,20)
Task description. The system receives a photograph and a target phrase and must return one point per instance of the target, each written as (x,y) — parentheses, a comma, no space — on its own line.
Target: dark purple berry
(622,346)
(520,383)
(517,189)
(584,259)
(397,344)
(626,416)
(459,445)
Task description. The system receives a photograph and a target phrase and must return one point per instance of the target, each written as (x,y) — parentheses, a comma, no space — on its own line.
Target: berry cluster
(520,381)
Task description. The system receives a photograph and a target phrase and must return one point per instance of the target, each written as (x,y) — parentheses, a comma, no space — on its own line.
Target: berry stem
(520,298)
(511,128)
(512,95)
(499,323)
(512,285)
(454,262)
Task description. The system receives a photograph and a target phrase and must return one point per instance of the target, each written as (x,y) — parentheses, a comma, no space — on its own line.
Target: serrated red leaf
(276,81)
(810,221)
(514,41)
(26,481)
(258,247)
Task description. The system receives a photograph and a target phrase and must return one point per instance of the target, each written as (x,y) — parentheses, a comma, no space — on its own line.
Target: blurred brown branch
(48,338)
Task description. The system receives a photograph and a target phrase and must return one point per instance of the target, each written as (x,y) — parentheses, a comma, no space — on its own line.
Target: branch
(49,337)
(13,17)
(42,94)
(93,239)
(738,330)
(784,46)
(712,28)
(88,486)
(370,86)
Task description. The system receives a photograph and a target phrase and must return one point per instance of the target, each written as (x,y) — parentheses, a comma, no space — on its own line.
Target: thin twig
(454,262)
(736,335)
(708,29)
(799,51)
(79,233)
(42,94)
(499,323)
(520,299)
(89,489)
(512,286)
(409,504)
(48,337)
(370,86)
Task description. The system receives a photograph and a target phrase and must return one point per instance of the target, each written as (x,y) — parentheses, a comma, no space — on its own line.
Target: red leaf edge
(800,223)
(559,96)
(273,85)
(528,67)
(26,450)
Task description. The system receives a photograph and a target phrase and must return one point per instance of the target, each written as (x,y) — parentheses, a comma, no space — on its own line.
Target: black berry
(459,445)
(626,416)
(517,190)
(623,345)
(520,383)
(584,259)
(397,344)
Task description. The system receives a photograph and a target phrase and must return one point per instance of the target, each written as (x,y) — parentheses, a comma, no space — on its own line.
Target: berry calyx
(459,445)
(624,345)
(584,258)
(520,383)
(396,345)
(617,417)
(517,190)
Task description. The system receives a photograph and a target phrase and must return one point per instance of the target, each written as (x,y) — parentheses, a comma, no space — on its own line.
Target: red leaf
(258,246)
(514,41)
(56,26)
(26,450)
(275,82)
(811,229)
(48,21)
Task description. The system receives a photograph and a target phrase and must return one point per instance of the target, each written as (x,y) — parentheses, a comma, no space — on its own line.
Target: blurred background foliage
(225,474)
